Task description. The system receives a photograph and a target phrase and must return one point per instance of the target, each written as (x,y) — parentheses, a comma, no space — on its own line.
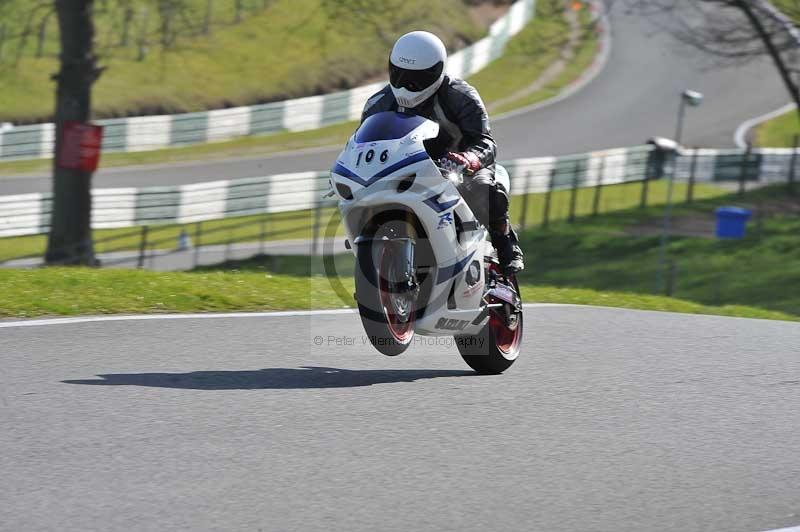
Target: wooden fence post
(792,164)
(317,221)
(573,198)
(263,233)
(599,187)
(142,247)
(548,198)
(198,235)
(743,172)
(692,171)
(526,191)
(643,199)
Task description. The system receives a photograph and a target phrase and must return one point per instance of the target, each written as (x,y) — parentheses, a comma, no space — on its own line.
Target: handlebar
(451,171)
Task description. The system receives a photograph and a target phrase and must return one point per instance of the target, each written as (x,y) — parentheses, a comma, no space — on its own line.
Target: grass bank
(68,292)
(620,252)
(270,51)
(528,54)
(779,132)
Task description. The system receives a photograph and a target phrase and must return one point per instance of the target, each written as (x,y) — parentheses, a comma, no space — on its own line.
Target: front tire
(388,318)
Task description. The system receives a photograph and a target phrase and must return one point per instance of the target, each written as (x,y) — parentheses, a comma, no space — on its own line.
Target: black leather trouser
(487,198)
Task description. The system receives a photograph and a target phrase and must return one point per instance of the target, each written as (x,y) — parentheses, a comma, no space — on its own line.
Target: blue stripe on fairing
(343,171)
(448,272)
(415,158)
(338,168)
(433,203)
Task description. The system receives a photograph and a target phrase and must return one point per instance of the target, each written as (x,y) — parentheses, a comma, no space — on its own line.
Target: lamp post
(693,99)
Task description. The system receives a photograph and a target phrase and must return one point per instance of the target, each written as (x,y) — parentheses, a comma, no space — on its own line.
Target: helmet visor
(414,80)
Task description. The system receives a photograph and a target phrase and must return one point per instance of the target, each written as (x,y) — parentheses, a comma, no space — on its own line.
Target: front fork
(402,276)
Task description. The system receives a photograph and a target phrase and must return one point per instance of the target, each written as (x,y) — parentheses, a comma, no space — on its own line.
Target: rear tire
(389,324)
(496,347)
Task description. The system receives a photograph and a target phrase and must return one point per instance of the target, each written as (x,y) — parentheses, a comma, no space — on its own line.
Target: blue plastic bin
(731,222)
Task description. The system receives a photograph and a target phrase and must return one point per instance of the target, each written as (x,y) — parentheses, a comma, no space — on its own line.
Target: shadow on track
(270,378)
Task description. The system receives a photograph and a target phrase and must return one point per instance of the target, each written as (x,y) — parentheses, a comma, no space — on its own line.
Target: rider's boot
(509,253)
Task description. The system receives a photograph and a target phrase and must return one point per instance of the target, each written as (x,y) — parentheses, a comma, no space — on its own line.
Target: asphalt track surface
(634,98)
(611,420)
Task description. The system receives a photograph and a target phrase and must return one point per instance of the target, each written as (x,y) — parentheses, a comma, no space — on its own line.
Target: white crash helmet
(416,67)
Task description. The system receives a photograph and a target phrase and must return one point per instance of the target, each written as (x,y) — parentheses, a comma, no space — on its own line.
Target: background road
(633,99)
(611,420)
(169,260)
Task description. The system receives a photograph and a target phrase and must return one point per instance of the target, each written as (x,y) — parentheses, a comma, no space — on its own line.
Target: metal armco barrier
(29,214)
(302,114)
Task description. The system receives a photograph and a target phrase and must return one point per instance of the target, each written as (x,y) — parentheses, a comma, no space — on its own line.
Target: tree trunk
(70,240)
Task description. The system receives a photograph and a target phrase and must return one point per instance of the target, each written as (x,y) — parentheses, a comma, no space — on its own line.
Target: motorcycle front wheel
(387,316)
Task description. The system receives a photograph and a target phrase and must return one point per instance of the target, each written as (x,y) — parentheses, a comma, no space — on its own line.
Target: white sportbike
(424,264)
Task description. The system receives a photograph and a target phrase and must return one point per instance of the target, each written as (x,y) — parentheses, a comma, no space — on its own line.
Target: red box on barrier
(80,146)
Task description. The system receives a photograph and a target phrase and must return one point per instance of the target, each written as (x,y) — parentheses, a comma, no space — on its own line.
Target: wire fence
(186,246)
(169,220)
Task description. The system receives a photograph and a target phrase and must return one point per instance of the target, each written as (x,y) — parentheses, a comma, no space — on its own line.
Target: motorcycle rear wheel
(496,347)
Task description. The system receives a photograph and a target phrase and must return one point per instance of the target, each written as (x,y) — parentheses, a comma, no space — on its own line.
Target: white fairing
(372,172)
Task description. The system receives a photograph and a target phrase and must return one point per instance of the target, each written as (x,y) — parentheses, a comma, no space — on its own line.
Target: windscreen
(387,126)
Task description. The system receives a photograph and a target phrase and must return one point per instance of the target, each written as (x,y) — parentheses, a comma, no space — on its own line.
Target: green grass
(75,291)
(779,132)
(527,55)
(585,52)
(533,290)
(584,56)
(68,291)
(612,198)
(761,271)
(790,8)
(292,48)
(578,296)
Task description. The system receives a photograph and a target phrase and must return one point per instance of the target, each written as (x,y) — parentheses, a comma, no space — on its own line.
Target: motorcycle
(423,262)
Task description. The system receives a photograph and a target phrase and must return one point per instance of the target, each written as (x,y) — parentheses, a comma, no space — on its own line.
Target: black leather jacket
(460,113)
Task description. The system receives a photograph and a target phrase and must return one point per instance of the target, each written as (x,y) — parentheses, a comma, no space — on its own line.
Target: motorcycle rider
(418,85)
